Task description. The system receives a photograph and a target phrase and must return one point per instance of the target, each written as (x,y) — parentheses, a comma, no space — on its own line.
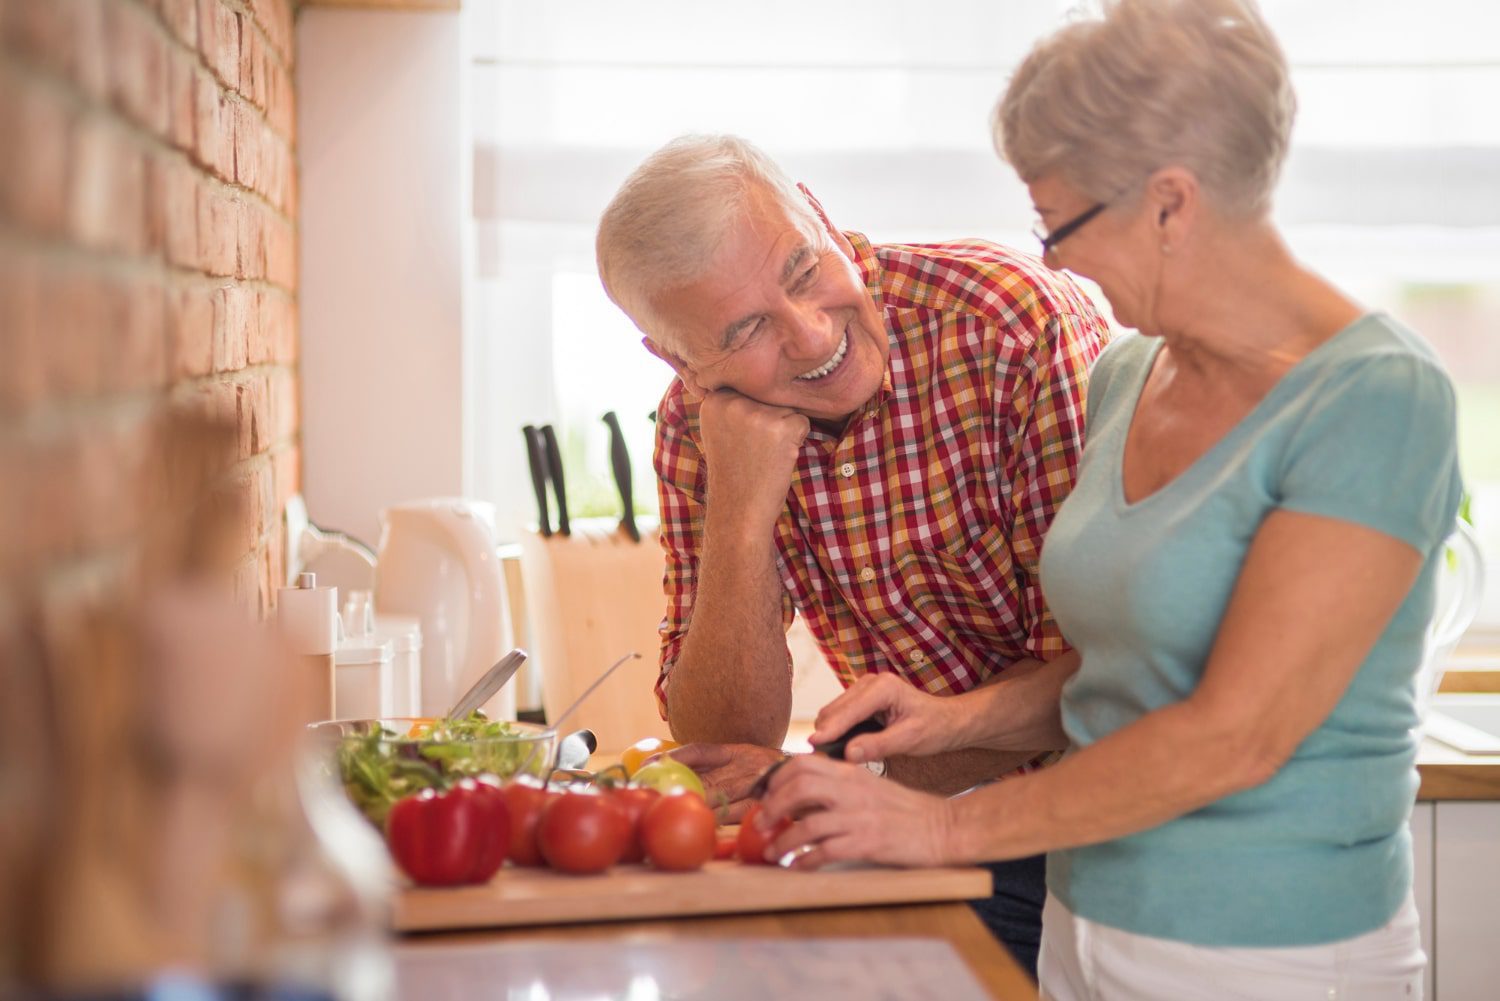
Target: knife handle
(619,461)
(835,748)
(534,452)
(555,471)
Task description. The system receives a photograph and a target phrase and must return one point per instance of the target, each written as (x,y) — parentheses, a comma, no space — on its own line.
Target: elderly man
(874,437)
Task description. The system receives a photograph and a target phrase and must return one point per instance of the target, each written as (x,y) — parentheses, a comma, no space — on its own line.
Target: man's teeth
(831,364)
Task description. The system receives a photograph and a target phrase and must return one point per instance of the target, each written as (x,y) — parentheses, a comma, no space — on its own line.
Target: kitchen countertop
(953,923)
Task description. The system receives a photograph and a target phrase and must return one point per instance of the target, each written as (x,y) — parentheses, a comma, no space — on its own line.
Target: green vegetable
(380,766)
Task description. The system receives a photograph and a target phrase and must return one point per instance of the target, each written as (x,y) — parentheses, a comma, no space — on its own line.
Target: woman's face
(1119,249)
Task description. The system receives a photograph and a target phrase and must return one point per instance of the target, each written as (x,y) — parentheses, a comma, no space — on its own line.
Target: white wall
(380,144)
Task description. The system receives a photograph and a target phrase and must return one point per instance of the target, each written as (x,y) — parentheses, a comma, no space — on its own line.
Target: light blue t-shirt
(1363,430)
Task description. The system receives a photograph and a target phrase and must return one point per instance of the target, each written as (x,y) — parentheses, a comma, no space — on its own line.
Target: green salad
(380,766)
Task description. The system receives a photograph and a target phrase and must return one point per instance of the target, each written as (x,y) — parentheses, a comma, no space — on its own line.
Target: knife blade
(619,461)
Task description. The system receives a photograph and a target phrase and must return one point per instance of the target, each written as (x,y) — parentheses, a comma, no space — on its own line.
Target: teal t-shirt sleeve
(1379,446)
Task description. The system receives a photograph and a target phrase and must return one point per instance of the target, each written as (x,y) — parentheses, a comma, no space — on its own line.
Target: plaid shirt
(910,541)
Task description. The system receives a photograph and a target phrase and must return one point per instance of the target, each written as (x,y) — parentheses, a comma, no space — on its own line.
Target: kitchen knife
(534,457)
(555,471)
(619,461)
(834,749)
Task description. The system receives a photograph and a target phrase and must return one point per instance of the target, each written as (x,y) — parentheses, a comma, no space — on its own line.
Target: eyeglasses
(1067,229)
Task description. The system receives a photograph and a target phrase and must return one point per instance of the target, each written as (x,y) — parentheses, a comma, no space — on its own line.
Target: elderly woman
(1245,568)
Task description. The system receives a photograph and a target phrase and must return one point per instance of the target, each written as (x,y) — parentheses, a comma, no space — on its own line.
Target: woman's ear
(1173,194)
(690,384)
(839,239)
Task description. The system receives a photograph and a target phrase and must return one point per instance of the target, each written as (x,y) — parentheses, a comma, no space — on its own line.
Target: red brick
(280,109)
(182,99)
(34,183)
(218,241)
(247,140)
(281,252)
(252,415)
(231,328)
(137,66)
(107,197)
(136,357)
(181,17)
(190,331)
(213,128)
(174,210)
(219,41)
(251,239)
(279,323)
(76,308)
(65,36)
(23,376)
(252,65)
(275,19)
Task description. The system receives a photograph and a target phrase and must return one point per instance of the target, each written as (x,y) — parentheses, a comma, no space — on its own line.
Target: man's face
(782,316)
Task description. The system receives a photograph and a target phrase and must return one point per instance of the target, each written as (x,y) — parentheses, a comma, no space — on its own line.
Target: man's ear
(690,384)
(839,238)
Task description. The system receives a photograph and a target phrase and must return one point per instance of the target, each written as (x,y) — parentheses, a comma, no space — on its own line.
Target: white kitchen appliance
(437,562)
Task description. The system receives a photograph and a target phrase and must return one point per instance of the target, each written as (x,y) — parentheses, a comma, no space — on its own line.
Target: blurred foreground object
(169,817)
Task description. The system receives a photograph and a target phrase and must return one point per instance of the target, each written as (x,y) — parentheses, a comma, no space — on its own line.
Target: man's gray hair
(665,225)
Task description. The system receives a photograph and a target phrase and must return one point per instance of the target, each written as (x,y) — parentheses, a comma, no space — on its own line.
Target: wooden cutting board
(520,897)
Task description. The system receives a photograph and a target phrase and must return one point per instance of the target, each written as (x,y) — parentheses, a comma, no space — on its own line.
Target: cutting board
(520,897)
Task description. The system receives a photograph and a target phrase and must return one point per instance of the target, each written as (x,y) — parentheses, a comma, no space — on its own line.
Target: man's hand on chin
(728,771)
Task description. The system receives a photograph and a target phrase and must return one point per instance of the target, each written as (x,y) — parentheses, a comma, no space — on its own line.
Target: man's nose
(808,334)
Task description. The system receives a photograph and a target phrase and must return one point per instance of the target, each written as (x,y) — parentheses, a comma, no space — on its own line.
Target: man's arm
(1020,710)
(726,671)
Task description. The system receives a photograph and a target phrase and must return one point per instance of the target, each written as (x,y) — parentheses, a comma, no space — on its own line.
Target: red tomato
(678,832)
(449,838)
(753,843)
(633,801)
(525,798)
(489,800)
(582,832)
(725,846)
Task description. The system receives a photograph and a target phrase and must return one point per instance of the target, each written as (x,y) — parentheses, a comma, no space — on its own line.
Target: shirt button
(847,469)
(919,657)
(867,574)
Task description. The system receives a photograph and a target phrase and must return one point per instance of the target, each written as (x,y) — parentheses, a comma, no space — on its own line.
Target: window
(882,109)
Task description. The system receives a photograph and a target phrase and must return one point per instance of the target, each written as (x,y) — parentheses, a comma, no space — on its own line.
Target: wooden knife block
(592,597)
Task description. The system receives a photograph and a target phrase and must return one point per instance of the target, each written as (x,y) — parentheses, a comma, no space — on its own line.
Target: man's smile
(832,363)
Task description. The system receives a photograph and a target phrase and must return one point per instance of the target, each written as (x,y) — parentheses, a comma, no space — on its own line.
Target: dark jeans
(1014,913)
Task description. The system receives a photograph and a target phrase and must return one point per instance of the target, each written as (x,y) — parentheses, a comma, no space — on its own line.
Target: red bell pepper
(450,838)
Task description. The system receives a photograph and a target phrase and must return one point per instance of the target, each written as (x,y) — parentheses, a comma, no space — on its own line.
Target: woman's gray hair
(665,225)
(1106,101)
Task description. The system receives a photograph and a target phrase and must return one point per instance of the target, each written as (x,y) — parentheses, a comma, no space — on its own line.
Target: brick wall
(148,268)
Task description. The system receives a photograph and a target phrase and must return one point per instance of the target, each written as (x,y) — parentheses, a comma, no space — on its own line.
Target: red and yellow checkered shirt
(910,542)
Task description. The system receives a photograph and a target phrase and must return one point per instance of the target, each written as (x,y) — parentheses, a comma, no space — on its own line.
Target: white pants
(1085,961)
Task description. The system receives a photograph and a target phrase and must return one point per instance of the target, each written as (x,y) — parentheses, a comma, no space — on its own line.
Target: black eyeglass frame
(1067,229)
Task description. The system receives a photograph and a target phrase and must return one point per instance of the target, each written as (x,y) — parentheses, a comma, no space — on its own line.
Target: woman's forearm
(1170,762)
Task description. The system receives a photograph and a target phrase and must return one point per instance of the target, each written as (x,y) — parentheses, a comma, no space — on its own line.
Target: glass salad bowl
(382,760)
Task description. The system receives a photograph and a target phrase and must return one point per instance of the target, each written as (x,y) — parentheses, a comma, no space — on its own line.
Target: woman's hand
(915,722)
(847,813)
